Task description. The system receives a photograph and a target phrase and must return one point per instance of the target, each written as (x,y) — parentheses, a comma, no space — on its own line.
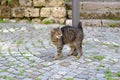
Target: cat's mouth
(59,36)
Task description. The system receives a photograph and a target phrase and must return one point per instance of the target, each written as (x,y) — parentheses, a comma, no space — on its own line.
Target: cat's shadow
(48,55)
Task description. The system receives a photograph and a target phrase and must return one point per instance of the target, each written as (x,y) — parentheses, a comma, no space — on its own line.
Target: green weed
(69,79)
(19,42)
(9,1)
(102,65)
(7,78)
(116,46)
(118,73)
(99,57)
(21,72)
(2,21)
(112,24)
(38,79)
(32,61)
(44,65)
(108,74)
(47,21)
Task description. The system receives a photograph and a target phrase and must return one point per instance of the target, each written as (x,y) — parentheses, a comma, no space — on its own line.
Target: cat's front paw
(78,56)
(58,56)
(70,53)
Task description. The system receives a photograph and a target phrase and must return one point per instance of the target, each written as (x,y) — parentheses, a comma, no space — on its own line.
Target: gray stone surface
(26,53)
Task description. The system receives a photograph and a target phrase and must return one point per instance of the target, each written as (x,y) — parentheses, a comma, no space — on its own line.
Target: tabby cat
(67,35)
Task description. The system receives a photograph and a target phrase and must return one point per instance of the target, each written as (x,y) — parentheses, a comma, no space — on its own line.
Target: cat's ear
(59,27)
(52,30)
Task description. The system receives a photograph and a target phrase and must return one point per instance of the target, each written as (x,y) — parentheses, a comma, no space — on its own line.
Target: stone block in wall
(69,14)
(45,12)
(39,3)
(36,20)
(5,12)
(18,12)
(59,20)
(0,11)
(13,3)
(3,2)
(32,12)
(24,21)
(59,12)
(55,3)
(25,2)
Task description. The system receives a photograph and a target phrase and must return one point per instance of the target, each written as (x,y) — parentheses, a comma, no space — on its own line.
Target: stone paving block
(56,76)
(101,78)
(18,12)
(27,79)
(62,72)
(39,3)
(25,2)
(81,76)
(67,67)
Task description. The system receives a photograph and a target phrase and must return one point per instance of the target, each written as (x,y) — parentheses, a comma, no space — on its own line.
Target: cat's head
(56,32)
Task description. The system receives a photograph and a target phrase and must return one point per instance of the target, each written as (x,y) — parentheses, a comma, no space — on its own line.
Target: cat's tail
(80,25)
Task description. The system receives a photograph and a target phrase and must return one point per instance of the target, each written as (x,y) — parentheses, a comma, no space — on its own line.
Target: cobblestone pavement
(26,53)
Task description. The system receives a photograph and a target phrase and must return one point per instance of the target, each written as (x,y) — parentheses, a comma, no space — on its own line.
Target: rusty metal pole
(75,12)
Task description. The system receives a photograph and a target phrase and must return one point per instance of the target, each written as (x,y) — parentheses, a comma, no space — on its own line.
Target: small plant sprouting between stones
(38,79)
(32,65)
(69,79)
(2,21)
(9,1)
(6,77)
(47,22)
(21,72)
(44,65)
(102,65)
(118,73)
(32,61)
(19,42)
(99,57)
(112,24)
(108,75)
(105,44)
(116,46)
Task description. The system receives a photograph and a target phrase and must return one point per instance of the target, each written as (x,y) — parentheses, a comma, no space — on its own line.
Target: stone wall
(36,11)
(58,11)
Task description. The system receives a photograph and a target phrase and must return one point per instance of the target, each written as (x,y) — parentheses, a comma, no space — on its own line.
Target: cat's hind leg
(72,50)
(79,50)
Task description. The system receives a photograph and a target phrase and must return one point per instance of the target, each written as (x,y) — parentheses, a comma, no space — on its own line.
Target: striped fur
(68,35)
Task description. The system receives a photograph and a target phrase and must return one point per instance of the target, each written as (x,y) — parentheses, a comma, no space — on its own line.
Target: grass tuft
(99,57)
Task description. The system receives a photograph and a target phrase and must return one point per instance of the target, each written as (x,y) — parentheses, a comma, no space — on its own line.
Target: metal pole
(75,16)
(75,12)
